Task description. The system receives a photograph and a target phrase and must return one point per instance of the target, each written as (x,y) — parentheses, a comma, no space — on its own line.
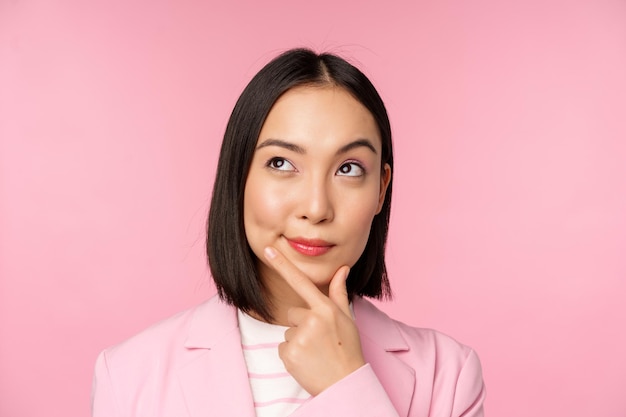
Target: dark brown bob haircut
(232,262)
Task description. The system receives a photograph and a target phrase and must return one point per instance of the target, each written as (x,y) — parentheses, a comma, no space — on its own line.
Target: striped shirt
(274,391)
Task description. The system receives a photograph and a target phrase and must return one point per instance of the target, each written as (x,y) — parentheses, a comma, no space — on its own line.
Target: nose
(316,202)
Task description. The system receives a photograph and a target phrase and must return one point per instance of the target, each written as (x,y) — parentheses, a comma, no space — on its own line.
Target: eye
(351,169)
(280,164)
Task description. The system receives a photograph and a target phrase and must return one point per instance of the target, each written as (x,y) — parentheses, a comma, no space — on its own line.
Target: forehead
(313,113)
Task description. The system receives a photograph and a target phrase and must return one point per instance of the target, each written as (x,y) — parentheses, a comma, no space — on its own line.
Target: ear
(385,179)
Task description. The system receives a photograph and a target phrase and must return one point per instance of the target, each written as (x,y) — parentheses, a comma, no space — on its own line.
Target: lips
(310,247)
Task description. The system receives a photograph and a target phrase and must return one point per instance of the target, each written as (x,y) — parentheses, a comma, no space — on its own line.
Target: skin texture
(314,186)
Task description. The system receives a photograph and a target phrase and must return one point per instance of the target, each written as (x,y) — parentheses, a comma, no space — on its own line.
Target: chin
(320,274)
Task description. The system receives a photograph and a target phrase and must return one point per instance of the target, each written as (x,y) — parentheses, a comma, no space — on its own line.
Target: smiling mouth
(310,247)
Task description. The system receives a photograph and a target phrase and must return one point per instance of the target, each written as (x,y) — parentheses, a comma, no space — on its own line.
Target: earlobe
(385,179)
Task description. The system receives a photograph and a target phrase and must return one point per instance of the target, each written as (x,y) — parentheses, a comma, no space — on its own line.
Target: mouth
(309,247)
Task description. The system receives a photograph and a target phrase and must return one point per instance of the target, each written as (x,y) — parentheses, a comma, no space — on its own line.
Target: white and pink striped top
(275,392)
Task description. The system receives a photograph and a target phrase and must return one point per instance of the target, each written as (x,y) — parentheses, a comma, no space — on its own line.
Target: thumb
(338,292)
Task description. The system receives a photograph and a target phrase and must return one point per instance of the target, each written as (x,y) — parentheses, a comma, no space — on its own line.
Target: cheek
(262,207)
(359,221)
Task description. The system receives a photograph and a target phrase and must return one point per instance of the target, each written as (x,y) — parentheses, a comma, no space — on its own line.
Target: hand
(322,344)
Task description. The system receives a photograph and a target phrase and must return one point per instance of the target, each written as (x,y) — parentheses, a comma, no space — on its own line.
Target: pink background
(508,229)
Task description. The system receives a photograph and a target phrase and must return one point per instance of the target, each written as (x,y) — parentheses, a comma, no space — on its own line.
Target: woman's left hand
(322,344)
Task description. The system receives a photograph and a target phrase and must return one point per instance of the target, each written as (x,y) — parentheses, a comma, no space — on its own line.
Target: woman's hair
(231,260)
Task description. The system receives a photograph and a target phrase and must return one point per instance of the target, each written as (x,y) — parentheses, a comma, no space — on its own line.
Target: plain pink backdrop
(508,227)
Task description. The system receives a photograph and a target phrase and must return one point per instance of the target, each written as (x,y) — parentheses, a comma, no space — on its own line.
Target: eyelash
(272,161)
(356,164)
(271,164)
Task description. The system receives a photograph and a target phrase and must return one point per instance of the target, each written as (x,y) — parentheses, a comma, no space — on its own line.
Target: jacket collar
(376,325)
(382,343)
(211,322)
(214,319)
(215,376)
(214,379)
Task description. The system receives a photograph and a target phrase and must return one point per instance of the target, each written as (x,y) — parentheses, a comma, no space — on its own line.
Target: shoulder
(443,357)
(435,344)
(155,337)
(137,373)
(165,341)
(448,372)
(395,333)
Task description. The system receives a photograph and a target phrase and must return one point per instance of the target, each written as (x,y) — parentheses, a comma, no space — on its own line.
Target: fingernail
(270,253)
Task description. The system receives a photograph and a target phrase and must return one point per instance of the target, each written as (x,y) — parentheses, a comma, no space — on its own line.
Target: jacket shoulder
(157,337)
(377,322)
(164,341)
(449,373)
(136,374)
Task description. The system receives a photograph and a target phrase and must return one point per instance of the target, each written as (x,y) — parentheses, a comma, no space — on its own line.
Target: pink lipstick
(310,247)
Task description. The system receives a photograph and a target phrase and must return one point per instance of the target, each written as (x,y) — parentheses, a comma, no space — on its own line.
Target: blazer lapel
(380,341)
(215,379)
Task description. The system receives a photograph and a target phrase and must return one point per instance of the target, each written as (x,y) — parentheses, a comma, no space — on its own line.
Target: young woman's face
(315,182)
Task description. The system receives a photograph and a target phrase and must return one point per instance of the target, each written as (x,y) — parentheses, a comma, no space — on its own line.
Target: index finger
(296,279)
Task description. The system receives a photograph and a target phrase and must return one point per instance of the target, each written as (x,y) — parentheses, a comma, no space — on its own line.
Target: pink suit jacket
(191,365)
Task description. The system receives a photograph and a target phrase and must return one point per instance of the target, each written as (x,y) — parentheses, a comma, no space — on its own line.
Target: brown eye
(351,169)
(280,164)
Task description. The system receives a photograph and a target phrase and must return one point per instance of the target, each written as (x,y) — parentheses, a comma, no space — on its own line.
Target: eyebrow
(282,144)
(299,149)
(357,144)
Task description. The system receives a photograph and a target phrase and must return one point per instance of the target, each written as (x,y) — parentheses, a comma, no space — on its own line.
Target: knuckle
(289,355)
(315,322)
(326,311)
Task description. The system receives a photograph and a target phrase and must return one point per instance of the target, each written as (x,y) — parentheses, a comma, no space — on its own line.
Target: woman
(296,237)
